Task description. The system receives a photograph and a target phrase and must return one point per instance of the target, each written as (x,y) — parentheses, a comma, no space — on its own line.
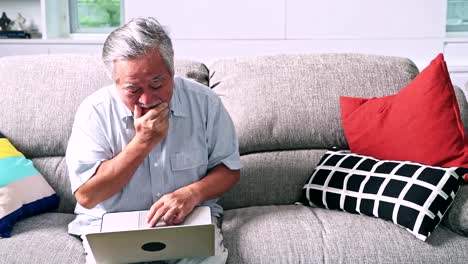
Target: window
(95,16)
(457,16)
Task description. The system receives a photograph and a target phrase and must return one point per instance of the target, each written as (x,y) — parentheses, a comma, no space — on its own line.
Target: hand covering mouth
(145,108)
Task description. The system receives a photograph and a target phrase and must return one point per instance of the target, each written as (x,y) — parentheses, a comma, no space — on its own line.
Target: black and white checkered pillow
(409,194)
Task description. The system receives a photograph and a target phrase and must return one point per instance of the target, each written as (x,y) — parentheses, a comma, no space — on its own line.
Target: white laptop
(125,238)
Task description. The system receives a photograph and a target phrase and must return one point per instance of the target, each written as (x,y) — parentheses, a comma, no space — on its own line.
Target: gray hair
(134,39)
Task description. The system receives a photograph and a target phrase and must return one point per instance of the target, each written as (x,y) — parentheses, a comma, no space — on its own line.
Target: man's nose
(146,99)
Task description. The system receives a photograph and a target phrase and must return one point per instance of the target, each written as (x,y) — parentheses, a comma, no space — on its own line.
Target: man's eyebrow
(127,85)
(157,78)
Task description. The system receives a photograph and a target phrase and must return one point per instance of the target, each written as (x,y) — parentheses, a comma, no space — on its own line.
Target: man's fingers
(170,216)
(162,106)
(161,122)
(179,219)
(152,211)
(137,111)
(157,216)
(153,113)
(162,117)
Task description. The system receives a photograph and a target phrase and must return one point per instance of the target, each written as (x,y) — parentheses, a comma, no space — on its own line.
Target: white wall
(209,29)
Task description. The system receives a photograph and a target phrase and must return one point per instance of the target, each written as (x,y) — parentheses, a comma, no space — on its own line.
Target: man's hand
(172,208)
(152,127)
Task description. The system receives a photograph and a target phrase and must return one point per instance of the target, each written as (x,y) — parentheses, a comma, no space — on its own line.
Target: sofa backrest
(39,95)
(286,111)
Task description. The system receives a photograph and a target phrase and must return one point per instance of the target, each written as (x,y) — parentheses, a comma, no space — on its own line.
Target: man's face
(143,81)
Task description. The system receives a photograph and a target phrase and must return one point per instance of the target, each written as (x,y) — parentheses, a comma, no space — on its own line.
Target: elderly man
(151,140)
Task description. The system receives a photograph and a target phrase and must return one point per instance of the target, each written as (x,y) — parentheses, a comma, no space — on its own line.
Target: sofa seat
(42,239)
(301,234)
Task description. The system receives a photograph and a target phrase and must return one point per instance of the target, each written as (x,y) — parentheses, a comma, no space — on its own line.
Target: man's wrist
(195,193)
(139,147)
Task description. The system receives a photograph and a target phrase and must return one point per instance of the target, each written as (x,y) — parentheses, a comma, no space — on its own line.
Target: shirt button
(158,194)
(156,164)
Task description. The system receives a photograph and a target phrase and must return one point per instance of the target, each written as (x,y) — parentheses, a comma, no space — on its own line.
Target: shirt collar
(176,106)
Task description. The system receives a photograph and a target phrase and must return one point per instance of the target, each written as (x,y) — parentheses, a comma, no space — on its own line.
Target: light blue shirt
(201,136)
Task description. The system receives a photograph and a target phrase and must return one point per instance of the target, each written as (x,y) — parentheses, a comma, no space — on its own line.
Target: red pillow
(421,123)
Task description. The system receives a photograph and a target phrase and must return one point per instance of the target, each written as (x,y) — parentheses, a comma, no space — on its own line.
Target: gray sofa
(286,112)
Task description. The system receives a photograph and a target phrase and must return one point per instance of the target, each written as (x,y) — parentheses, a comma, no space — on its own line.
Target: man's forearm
(218,181)
(112,175)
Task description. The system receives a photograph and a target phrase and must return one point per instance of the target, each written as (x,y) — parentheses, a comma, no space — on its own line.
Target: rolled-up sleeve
(87,147)
(222,138)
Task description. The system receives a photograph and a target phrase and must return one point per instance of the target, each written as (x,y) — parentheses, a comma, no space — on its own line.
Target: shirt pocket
(188,160)
(188,167)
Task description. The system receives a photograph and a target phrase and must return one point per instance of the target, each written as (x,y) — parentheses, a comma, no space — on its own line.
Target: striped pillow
(23,190)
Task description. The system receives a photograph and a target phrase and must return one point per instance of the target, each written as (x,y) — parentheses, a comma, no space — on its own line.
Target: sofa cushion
(23,190)
(43,94)
(299,234)
(288,102)
(465,89)
(42,239)
(56,170)
(409,194)
(421,123)
(457,216)
(271,178)
(193,70)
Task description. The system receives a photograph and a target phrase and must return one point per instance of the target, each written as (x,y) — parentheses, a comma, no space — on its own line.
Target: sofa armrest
(457,216)
(463,105)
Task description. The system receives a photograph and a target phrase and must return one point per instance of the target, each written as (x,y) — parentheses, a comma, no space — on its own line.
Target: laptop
(125,238)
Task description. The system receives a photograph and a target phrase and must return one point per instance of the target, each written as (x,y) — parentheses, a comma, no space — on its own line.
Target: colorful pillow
(23,190)
(421,123)
(409,194)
